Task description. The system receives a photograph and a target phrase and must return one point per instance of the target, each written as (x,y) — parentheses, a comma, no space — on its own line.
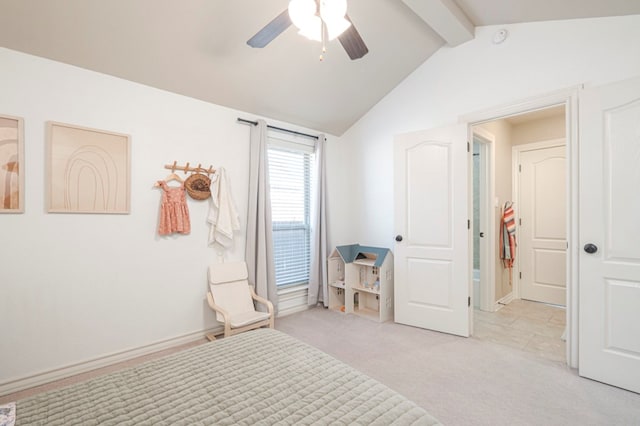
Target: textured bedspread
(261,377)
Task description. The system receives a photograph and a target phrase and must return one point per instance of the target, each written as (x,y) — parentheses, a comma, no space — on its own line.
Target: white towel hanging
(223,216)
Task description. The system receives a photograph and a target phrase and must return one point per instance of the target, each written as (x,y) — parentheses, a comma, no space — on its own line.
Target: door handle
(398,238)
(590,248)
(482,235)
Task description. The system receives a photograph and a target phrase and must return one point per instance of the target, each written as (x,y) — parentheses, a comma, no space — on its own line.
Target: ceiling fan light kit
(308,16)
(318,20)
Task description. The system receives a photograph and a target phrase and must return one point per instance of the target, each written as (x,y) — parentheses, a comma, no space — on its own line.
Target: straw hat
(198,186)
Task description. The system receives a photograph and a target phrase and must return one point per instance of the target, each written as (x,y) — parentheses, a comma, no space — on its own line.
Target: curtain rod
(255,123)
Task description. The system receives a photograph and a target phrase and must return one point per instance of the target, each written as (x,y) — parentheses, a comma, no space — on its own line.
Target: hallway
(529,326)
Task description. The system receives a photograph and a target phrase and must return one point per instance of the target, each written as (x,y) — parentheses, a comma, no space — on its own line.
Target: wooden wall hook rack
(186,168)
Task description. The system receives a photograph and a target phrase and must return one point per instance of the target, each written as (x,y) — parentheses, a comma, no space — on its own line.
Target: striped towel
(508,236)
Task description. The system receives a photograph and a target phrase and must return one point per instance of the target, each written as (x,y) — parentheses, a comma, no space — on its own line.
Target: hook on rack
(186,168)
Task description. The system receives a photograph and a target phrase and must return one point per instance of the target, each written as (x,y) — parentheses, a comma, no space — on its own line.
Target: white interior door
(432,250)
(609,292)
(542,247)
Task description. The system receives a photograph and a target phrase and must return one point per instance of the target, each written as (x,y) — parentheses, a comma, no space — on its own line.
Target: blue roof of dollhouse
(350,252)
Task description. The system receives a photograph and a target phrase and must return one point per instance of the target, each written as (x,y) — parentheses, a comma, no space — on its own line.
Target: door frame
(569,98)
(516,151)
(487,219)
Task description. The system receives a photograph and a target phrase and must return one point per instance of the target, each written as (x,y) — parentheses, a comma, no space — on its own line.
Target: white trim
(568,97)
(290,141)
(292,300)
(37,379)
(516,152)
(551,143)
(556,98)
(488,266)
(573,272)
(504,301)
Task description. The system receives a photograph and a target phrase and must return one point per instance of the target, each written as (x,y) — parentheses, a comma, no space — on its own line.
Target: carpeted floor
(465,381)
(474,381)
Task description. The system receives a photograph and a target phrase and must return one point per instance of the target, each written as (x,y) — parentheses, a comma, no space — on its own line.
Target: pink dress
(174,213)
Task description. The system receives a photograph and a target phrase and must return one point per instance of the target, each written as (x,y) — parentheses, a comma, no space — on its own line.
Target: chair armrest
(268,304)
(262,300)
(224,313)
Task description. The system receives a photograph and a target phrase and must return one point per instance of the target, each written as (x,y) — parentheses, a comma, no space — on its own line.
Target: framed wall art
(11,164)
(89,170)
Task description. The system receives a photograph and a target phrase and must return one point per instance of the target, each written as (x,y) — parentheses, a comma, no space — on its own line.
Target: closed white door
(609,284)
(542,245)
(431,221)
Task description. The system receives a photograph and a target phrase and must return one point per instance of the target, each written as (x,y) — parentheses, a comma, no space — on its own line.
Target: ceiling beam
(446,19)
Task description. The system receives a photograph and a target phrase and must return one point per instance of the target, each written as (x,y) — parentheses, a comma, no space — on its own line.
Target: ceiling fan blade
(352,42)
(272,30)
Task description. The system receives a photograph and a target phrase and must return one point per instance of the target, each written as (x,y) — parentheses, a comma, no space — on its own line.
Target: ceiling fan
(319,20)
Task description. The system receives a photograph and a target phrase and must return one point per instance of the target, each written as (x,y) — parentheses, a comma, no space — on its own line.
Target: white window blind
(290,171)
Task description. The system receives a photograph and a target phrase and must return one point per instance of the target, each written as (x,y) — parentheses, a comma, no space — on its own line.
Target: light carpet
(465,381)
(459,381)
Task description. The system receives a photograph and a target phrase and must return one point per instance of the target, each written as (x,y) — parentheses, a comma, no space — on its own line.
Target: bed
(262,377)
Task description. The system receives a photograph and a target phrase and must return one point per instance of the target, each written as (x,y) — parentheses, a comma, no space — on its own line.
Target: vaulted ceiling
(198,48)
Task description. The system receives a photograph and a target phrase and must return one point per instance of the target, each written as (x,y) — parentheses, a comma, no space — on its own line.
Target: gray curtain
(318,291)
(259,245)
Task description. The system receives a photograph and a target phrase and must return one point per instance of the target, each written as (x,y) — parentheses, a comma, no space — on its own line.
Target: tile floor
(530,326)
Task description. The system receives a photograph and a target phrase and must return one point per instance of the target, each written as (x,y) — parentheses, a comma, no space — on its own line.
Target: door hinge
(520,221)
(468,224)
(520,275)
(469,301)
(519,167)
(468,147)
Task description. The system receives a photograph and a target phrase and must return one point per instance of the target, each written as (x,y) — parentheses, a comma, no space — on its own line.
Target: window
(290,170)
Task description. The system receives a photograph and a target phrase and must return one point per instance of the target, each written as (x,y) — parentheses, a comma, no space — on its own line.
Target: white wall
(543,129)
(536,59)
(341,196)
(77,287)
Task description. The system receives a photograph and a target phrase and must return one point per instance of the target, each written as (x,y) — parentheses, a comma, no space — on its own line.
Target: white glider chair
(232,298)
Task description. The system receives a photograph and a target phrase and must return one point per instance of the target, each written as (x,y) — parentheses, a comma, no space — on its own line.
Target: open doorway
(482,190)
(521,303)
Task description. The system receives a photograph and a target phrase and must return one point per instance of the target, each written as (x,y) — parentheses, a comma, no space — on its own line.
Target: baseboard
(291,303)
(504,301)
(21,383)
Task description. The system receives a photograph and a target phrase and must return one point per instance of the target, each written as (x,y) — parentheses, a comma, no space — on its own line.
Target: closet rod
(293,132)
